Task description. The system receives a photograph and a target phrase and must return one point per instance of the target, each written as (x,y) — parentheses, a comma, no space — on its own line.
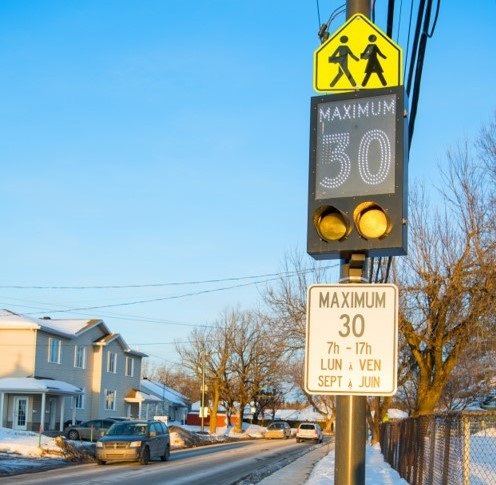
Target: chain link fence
(451,449)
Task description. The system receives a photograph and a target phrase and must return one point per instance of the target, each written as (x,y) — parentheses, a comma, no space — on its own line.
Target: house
(55,370)
(194,417)
(166,401)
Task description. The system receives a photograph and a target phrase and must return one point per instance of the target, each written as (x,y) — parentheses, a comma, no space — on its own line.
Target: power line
(436,15)
(158,285)
(165,298)
(196,293)
(130,318)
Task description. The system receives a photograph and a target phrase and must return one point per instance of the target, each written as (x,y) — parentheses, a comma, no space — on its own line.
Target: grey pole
(203,395)
(357,6)
(351,422)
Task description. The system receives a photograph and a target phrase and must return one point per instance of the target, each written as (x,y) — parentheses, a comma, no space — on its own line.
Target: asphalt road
(243,462)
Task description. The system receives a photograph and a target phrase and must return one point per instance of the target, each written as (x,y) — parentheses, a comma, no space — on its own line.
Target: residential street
(244,462)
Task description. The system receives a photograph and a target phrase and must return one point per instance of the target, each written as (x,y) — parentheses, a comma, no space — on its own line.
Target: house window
(129,366)
(109,400)
(54,349)
(80,356)
(79,401)
(112,362)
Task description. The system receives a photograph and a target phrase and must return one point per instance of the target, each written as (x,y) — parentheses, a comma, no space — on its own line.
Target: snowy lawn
(27,443)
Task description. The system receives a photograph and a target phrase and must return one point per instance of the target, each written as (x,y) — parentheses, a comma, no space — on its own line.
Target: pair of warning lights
(370,220)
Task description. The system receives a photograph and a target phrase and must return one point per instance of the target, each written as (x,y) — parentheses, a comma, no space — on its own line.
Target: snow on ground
(23,451)
(27,443)
(482,457)
(377,471)
(20,451)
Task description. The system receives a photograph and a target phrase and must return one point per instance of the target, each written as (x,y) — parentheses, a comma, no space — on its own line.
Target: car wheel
(100,462)
(166,455)
(145,456)
(73,434)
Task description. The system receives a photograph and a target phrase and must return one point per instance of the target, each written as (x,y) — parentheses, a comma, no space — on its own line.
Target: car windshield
(134,429)
(276,426)
(307,426)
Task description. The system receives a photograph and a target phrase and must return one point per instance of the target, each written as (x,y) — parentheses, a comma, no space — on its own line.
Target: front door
(20,418)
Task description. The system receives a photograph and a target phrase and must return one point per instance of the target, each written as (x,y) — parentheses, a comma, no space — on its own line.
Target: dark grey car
(89,430)
(134,441)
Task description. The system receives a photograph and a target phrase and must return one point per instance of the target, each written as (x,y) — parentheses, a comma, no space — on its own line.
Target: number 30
(334,152)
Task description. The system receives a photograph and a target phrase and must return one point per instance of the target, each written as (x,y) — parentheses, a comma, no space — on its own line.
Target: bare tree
(184,382)
(254,364)
(287,299)
(207,351)
(448,279)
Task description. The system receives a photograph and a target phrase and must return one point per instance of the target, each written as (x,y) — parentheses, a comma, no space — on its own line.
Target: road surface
(243,462)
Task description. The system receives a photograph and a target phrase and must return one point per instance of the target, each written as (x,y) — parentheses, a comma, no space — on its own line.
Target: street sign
(357,56)
(352,340)
(357,195)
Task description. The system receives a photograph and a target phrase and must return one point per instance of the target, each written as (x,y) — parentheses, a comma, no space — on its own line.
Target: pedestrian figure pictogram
(371,53)
(357,56)
(340,57)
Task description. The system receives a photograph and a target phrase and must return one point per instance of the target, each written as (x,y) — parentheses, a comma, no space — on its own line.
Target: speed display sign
(355,142)
(357,177)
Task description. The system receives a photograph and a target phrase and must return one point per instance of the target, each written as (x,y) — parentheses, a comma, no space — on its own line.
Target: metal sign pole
(351,432)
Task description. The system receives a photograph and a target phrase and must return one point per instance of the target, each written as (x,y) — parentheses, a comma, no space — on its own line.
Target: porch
(35,404)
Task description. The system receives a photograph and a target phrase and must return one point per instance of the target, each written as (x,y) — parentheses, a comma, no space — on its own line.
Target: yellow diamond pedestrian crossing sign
(357,56)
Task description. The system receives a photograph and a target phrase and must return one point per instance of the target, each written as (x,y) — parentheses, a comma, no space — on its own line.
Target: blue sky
(160,141)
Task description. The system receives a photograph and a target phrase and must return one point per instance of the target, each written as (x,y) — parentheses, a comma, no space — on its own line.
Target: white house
(166,401)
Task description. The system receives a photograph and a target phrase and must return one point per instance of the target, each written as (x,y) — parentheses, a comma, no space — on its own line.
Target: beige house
(55,370)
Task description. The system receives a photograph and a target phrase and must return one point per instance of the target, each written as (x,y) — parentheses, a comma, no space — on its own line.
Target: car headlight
(135,444)
(99,444)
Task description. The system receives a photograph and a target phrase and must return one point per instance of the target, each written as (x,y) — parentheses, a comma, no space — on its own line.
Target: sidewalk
(298,472)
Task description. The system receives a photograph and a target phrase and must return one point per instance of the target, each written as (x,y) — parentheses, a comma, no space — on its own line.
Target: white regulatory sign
(352,339)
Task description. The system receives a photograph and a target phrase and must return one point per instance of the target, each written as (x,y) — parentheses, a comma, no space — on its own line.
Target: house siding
(17,348)
(44,368)
(117,381)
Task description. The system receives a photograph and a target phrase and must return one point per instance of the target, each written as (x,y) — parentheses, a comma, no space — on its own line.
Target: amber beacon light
(357,198)
(331,224)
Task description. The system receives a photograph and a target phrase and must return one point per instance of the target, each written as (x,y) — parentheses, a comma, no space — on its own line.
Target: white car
(309,431)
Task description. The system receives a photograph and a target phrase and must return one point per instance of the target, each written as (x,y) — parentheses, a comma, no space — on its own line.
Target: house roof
(64,327)
(163,392)
(134,395)
(306,414)
(106,339)
(34,385)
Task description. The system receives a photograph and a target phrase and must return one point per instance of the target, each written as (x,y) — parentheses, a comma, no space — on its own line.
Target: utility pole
(351,423)
(203,394)
(352,216)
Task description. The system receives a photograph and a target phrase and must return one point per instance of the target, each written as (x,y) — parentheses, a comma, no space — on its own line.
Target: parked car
(278,429)
(309,431)
(134,441)
(69,423)
(489,403)
(89,430)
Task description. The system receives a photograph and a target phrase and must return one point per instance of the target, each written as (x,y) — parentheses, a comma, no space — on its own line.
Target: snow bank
(376,470)
(27,443)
